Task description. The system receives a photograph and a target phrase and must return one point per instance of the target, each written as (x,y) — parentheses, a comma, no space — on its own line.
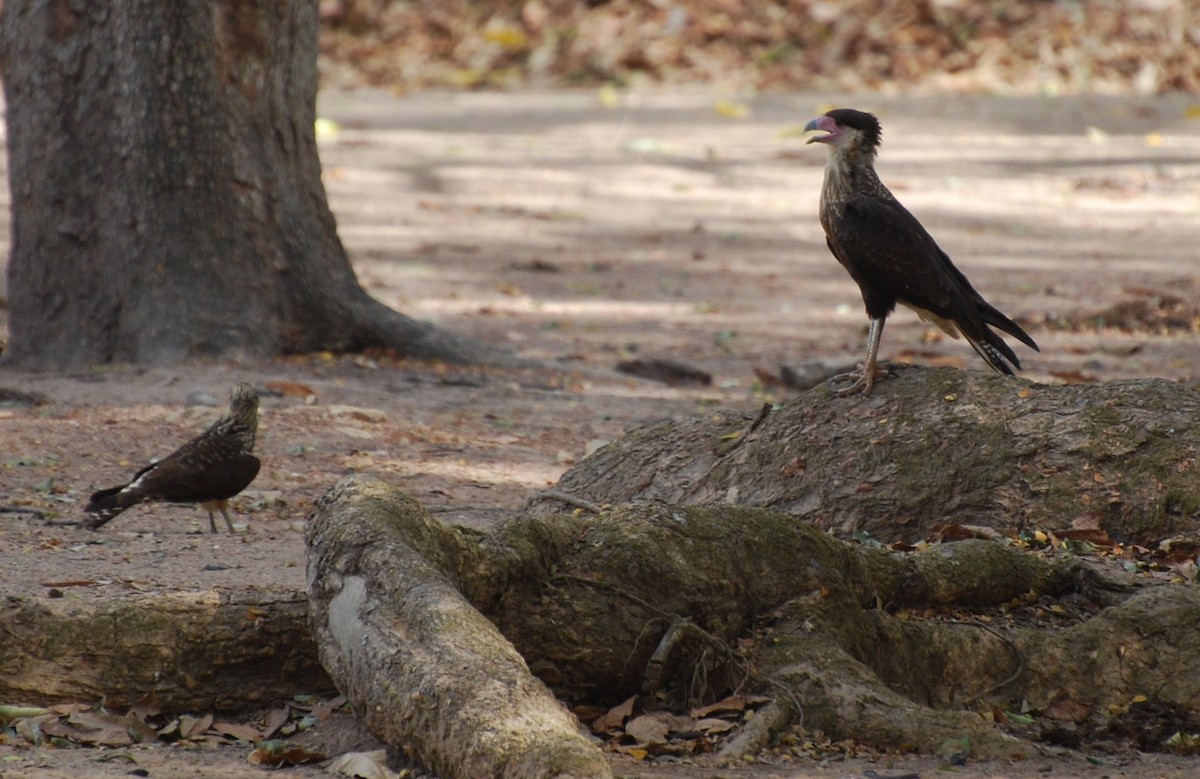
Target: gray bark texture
(421,666)
(930,447)
(163,159)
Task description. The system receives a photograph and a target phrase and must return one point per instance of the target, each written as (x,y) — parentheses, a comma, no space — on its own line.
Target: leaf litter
(78,725)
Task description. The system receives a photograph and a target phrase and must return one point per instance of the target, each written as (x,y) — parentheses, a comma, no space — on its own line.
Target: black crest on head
(865,123)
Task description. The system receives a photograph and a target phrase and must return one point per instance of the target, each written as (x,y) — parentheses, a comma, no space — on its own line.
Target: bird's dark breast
(891,257)
(878,300)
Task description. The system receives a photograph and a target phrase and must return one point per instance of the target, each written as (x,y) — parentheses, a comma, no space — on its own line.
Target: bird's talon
(861,380)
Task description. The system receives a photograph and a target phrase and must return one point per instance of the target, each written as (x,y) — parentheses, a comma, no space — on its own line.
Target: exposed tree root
(422,667)
(649,599)
(930,447)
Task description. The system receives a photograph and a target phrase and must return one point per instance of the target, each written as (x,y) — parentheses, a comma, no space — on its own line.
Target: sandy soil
(559,228)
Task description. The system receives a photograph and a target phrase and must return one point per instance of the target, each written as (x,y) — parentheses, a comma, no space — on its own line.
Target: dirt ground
(587,228)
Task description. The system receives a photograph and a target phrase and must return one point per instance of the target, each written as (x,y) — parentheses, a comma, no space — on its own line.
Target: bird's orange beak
(821,124)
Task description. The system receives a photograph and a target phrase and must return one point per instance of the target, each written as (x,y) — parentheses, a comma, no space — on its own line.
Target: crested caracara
(891,256)
(209,470)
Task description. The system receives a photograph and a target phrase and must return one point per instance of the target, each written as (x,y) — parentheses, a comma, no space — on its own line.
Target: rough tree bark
(422,667)
(163,155)
(196,651)
(651,597)
(931,447)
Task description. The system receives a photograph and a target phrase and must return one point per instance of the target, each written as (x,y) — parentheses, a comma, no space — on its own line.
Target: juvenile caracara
(891,256)
(209,470)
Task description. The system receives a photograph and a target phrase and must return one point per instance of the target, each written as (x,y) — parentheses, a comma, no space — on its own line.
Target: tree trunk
(929,448)
(163,156)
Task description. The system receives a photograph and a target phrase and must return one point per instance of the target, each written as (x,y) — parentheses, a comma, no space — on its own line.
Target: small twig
(761,417)
(763,413)
(23,510)
(614,589)
(1016,653)
(569,499)
(758,731)
(703,650)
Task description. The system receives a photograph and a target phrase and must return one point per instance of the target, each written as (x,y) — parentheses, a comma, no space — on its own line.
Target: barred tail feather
(995,352)
(106,504)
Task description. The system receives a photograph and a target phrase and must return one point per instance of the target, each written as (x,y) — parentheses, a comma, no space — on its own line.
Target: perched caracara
(209,470)
(891,256)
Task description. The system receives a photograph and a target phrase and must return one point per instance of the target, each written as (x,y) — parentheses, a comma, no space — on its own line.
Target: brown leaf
(100,728)
(1091,535)
(281,753)
(712,725)
(194,727)
(615,717)
(146,707)
(1066,710)
(734,704)
(240,732)
(57,729)
(587,712)
(290,388)
(66,709)
(768,379)
(276,720)
(325,708)
(1074,377)
(648,729)
(1179,549)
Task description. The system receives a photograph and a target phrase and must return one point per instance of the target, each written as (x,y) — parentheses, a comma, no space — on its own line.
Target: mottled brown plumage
(209,470)
(891,256)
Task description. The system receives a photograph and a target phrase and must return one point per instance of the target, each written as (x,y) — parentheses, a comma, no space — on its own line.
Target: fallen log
(203,651)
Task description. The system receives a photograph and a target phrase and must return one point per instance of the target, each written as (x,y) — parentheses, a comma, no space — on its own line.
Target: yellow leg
(228,523)
(865,381)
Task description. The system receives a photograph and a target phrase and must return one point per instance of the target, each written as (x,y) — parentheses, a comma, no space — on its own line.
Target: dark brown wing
(208,468)
(894,259)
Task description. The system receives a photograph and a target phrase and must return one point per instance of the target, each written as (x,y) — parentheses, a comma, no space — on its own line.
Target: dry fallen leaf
(362,765)
(281,753)
(146,707)
(246,733)
(276,720)
(615,717)
(290,389)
